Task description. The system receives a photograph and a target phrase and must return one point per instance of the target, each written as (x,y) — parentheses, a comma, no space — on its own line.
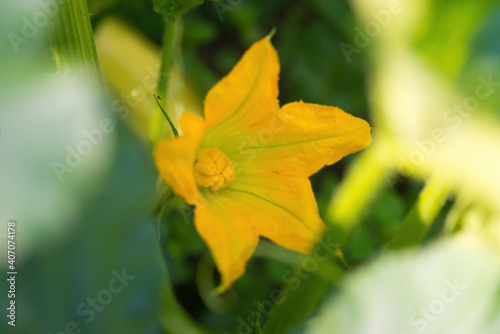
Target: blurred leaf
(110,234)
(484,52)
(100,6)
(172,9)
(364,180)
(314,70)
(468,160)
(421,216)
(287,315)
(45,180)
(200,31)
(388,212)
(447,288)
(436,42)
(478,223)
(361,245)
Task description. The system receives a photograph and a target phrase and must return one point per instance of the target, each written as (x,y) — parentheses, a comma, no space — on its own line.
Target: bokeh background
(425,74)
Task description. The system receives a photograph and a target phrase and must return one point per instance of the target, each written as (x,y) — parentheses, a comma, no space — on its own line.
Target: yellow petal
(303,139)
(174,158)
(247,94)
(228,235)
(280,207)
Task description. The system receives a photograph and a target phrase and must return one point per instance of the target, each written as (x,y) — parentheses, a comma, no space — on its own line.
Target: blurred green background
(74,233)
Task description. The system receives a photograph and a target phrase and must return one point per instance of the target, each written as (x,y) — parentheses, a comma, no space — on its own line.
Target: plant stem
(166,61)
(365,179)
(73,43)
(268,250)
(303,290)
(172,316)
(156,125)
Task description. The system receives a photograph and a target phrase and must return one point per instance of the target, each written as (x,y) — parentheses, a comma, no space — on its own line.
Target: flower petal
(174,158)
(301,140)
(247,94)
(280,207)
(230,238)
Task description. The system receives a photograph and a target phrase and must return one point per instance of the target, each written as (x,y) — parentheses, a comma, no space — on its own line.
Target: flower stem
(163,80)
(166,60)
(73,43)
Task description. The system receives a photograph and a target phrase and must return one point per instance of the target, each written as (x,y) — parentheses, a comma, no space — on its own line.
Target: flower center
(213,169)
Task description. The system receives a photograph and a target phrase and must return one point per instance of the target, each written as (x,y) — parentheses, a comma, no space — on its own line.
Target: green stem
(172,316)
(166,60)
(303,290)
(268,250)
(73,43)
(256,321)
(155,127)
(422,214)
(365,179)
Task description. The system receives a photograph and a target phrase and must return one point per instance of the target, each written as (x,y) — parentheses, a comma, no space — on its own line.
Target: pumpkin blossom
(245,167)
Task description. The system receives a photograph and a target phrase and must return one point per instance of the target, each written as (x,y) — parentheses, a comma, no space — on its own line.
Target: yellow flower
(246,166)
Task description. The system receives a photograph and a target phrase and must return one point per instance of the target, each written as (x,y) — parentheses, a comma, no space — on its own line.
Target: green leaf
(290,314)
(73,43)
(423,213)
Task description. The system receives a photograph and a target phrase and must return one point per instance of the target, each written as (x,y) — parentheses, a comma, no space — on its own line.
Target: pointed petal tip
(271,34)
